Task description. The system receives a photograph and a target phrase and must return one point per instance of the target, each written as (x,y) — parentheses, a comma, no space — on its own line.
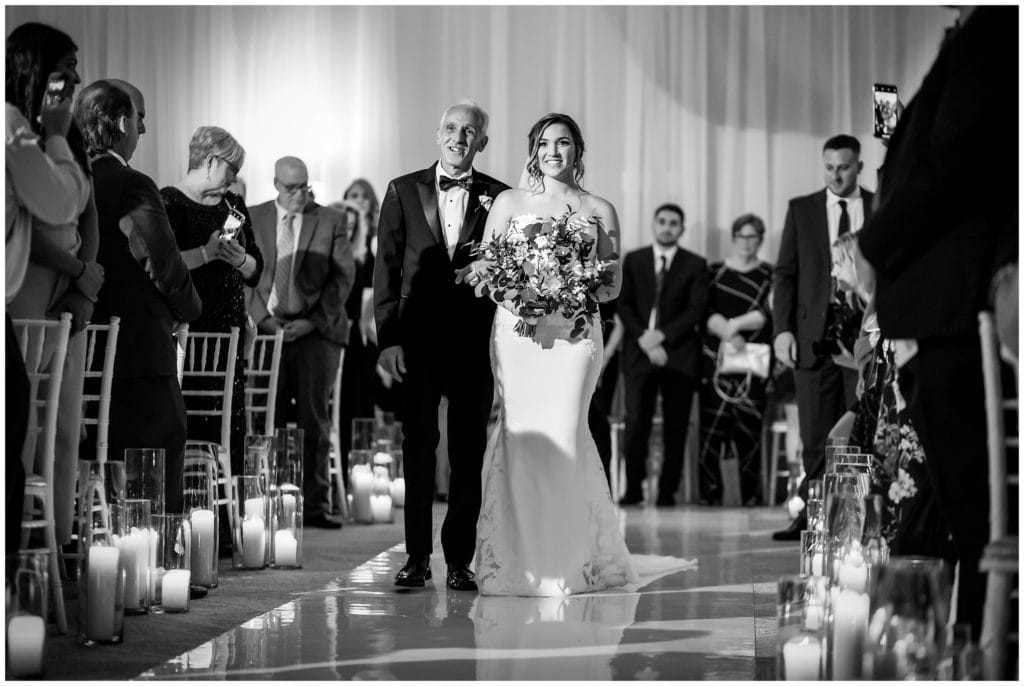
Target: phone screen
(55,89)
(886,113)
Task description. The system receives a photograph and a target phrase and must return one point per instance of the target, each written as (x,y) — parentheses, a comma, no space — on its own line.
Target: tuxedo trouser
(944,389)
(149,412)
(305,383)
(823,395)
(642,389)
(16,425)
(468,385)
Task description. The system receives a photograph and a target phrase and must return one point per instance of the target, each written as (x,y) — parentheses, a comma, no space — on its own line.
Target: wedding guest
(44,184)
(662,305)
(807,311)
(147,285)
(946,219)
(302,290)
(732,405)
(214,234)
(62,274)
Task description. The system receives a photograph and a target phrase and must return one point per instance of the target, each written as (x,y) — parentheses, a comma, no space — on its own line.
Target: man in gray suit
(308,275)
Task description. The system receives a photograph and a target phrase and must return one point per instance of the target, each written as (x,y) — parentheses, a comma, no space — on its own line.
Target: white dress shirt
(854,208)
(451,205)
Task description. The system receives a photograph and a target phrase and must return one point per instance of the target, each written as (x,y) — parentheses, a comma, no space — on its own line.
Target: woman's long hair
(374,205)
(536,176)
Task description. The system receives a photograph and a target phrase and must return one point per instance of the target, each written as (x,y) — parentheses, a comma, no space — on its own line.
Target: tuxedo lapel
(310,220)
(428,199)
(820,224)
(646,266)
(473,213)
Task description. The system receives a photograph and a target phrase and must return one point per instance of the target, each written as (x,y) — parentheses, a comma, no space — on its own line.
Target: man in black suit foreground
(662,303)
(947,217)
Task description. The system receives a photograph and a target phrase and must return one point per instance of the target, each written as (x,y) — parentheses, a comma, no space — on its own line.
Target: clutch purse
(753,359)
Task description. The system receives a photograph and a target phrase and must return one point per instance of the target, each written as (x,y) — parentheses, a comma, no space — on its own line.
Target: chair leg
(995,625)
(773,479)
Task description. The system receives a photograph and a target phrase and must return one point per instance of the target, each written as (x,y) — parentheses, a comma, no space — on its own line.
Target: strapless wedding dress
(548,526)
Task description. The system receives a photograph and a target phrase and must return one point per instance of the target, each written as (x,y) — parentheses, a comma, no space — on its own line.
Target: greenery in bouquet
(545,266)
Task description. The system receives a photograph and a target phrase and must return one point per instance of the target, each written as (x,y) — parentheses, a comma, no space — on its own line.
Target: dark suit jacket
(802,276)
(324,271)
(683,302)
(417,303)
(948,201)
(127,201)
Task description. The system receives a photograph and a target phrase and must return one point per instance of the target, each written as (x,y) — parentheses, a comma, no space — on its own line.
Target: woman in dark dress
(737,312)
(215,237)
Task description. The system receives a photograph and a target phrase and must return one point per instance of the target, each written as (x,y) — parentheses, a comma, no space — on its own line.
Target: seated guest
(147,285)
(214,234)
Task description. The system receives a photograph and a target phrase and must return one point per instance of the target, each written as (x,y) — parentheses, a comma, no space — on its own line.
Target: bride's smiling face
(556,151)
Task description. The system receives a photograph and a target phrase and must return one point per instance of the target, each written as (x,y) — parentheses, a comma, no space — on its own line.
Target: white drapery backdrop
(720,109)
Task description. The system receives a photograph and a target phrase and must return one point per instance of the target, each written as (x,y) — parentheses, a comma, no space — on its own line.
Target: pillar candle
(174,589)
(254,543)
(101,591)
(398,491)
(288,507)
(362,484)
(850,626)
(817,564)
(801,656)
(25,637)
(286,549)
(380,506)
(204,551)
(814,616)
(135,550)
(254,507)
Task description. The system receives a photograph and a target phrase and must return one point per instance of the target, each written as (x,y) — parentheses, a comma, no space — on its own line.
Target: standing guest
(807,309)
(732,405)
(214,234)
(946,219)
(433,335)
(662,305)
(308,275)
(147,285)
(42,186)
(62,274)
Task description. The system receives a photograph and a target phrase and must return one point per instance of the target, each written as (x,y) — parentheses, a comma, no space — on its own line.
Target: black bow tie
(447,182)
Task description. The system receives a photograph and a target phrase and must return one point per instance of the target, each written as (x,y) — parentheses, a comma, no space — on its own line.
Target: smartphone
(232,224)
(56,86)
(884,100)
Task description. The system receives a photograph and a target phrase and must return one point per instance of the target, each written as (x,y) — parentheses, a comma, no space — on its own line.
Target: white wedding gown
(547,524)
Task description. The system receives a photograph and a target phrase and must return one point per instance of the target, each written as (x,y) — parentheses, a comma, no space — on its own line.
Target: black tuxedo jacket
(947,210)
(683,304)
(128,203)
(417,303)
(802,277)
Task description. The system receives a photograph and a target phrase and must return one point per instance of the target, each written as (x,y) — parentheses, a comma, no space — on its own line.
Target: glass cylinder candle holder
(815,514)
(845,456)
(815,489)
(258,452)
(813,551)
(360,485)
(398,480)
(381,503)
(799,649)
(100,576)
(364,433)
(844,506)
(172,575)
(145,475)
(286,551)
(252,517)
(26,613)
(134,537)
(289,443)
(199,482)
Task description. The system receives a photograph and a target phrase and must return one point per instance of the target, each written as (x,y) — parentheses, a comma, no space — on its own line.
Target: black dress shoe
(792,532)
(415,573)
(321,520)
(460,578)
(629,499)
(195,592)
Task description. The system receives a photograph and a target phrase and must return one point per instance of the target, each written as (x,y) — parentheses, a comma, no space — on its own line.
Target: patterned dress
(222,291)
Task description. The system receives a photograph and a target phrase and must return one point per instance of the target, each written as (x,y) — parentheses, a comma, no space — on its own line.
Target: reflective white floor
(688,625)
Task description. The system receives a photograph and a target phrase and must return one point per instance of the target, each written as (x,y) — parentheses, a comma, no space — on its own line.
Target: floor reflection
(686,625)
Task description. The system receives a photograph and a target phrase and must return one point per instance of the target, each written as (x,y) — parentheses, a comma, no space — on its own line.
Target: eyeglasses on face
(295,187)
(233,168)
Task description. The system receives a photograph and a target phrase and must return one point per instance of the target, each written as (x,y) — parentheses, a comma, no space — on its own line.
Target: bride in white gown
(547,524)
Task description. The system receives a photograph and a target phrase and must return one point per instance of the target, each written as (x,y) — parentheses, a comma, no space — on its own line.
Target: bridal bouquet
(543,266)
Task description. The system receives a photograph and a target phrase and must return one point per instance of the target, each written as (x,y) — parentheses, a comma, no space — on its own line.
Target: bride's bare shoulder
(598,207)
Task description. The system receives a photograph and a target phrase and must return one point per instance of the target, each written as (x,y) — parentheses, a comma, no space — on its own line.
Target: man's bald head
(291,179)
(136,95)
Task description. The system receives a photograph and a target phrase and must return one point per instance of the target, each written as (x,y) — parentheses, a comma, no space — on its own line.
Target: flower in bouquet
(546,266)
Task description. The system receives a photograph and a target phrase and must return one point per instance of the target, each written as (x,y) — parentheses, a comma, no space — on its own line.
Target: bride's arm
(497,223)
(607,246)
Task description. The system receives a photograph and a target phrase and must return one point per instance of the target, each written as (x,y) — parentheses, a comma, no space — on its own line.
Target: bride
(547,524)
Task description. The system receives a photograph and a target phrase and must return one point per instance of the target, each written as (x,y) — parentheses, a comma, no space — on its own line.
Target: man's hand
(737,341)
(79,306)
(785,348)
(296,329)
(844,358)
(651,338)
(91,280)
(270,325)
(392,361)
(472,273)
(657,356)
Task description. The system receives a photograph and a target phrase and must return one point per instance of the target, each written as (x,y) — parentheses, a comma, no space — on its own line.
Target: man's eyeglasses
(295,187)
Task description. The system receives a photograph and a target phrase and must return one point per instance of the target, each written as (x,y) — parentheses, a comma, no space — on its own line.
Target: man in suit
(664,295)
(302,291)
(946,219)
(434,336)
(146,284)
(806,304)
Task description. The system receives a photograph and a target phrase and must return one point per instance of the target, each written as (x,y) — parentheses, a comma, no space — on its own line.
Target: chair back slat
(995,428)
(262,374)
(211,357)
(99,379)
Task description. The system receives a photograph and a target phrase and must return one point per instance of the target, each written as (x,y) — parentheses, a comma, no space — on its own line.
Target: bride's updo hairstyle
(536,176)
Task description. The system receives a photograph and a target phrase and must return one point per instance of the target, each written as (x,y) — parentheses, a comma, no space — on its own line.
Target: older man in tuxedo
(302,290)
(146,284)
(433,336)
(662,304)
(806,306)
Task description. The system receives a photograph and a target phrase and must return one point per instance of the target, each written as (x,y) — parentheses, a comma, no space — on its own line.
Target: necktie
(659,283)
(447,182)
(844,218)
(283,268)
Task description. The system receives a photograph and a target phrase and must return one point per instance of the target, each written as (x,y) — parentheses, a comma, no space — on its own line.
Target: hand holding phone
(232,224)
(886,109)
(55,110)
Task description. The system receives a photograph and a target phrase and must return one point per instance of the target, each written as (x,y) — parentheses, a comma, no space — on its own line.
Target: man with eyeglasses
(307,277)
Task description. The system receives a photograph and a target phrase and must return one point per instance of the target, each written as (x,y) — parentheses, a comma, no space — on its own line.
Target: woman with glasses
(215,237)
(732,405)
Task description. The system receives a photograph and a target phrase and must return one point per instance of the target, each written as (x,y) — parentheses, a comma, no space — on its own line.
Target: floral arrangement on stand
(545,266)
